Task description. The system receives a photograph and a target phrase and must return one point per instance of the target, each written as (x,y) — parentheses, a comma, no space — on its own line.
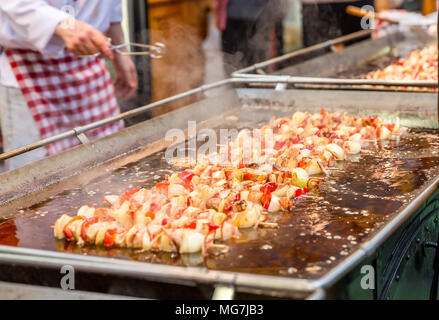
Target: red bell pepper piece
(186,176)
(270,187)
(279,144)
(154,207)
(191,225)
(128,194)
(232,202)
(266,199)
(162,187)
(85,226)
(302,163)
(150,214)
(248,176)
(242,165)
(301,191)
(67,232)
(228,173)
(390,126)
(295,139)
(267,189)
(110,235)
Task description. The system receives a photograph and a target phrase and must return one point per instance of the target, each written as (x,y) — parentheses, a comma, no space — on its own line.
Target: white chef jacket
(31,24)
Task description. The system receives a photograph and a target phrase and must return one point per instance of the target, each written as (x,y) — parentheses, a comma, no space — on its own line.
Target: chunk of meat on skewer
(189,210)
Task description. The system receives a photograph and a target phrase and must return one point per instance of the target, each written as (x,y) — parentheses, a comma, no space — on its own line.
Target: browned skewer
(215,246)
(217,249)
(271,225)
(218,246)
(184,162)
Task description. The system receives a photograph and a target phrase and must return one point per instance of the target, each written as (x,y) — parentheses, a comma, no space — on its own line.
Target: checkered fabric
(64,93)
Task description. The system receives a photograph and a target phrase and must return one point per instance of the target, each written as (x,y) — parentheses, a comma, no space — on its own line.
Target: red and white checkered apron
(64,93)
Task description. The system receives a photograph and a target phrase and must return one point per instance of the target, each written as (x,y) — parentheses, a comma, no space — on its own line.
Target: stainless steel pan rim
(36,257)
(154,272)
(359,52)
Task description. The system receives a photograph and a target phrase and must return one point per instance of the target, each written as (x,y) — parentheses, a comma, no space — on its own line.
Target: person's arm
(220,13)
(31,23)
(126,82)
(80,38)
(35,25)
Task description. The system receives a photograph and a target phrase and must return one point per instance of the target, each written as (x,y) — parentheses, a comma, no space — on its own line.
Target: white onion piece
(305,153)
(280,192)
(59,226)
(191,241)
(299,177)
(226,231)
(111,199)
(326,156)
(175,189)
(336,151)
(298,117)
(247,218)
(397,124)
(313,167)
(353,147)
(355,137)
(385,133)
(274,204)
(146,241)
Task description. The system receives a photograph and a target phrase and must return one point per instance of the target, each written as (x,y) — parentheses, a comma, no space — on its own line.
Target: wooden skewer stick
(271,225)
(218,246)
(333,168)
(217,249)
(366,151)
(184,162)
(307,196)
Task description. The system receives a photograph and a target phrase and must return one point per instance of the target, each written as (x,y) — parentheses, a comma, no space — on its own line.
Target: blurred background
(200,51)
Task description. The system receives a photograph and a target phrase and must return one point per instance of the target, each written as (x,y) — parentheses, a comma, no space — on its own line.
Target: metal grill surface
(322,230)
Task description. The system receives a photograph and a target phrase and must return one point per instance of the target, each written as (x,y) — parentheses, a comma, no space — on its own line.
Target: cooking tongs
(156,50)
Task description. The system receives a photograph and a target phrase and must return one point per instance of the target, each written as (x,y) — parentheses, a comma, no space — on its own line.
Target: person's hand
(220,13)
(126,82)
(83,39)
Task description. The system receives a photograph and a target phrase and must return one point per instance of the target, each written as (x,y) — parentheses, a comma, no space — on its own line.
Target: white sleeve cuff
(42,28)
(116,14)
